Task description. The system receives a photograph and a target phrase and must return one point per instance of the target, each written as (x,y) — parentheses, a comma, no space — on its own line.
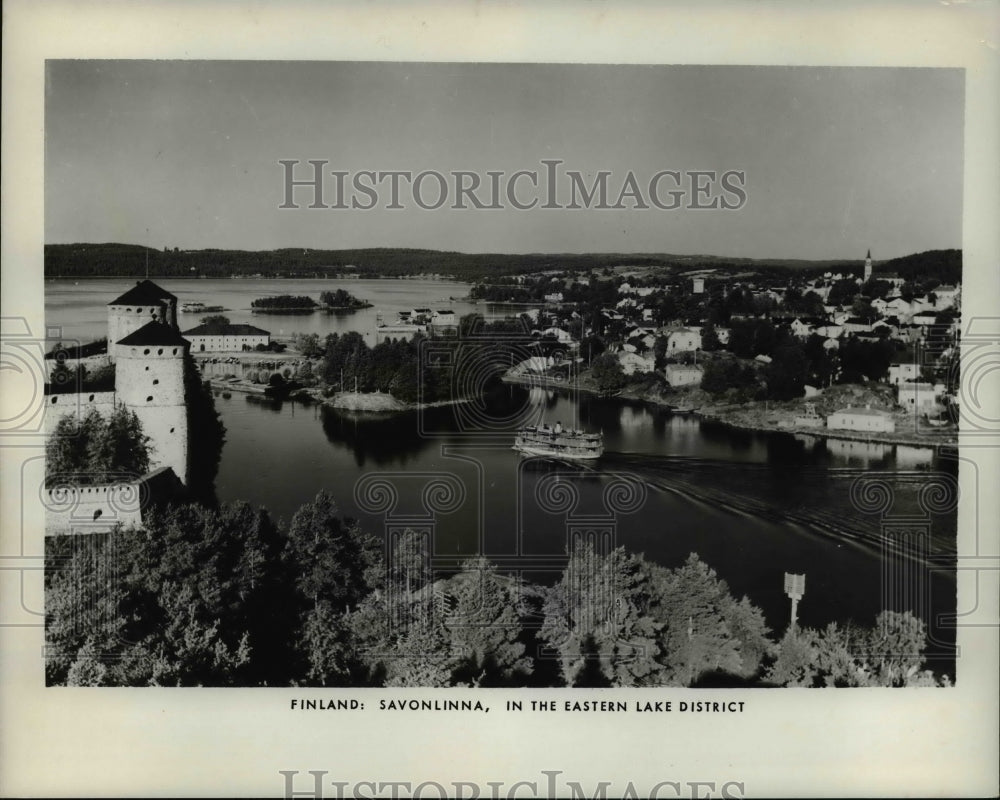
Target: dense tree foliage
(889,654)
(283,302)
(619,620)
(97,449)
(607,373)
(226,597)
(341,298)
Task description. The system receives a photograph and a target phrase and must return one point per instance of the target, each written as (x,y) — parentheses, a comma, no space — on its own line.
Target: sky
(186,154)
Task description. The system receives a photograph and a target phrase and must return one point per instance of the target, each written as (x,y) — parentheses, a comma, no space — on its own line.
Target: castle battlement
(72,507)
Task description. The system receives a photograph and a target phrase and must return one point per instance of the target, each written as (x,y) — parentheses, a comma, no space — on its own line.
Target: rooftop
(865,412)
(225,329)
(144,293)
(154,334)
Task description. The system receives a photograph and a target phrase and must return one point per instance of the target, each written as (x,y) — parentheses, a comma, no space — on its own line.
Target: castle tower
(149,380)
(141,304)
(868,266)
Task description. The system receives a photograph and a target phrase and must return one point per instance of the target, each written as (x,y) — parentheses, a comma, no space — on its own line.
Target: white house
(900,308)
(683,340)
(555,297)
(633,362)
(946,296)
(903,373)
(684,374)
(219,337)
(801,329)
(831,331)
(444,317)
(867,420)
(916,395)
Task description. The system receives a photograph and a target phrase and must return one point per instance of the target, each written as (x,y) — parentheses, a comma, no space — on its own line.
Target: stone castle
(148,354)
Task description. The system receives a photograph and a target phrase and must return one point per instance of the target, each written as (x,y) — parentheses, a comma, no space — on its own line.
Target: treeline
(944,266)
(284,301)
(420,369)
(120,260)
(226,597)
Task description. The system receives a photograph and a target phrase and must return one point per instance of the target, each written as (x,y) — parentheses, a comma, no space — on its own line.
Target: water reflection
(752,505)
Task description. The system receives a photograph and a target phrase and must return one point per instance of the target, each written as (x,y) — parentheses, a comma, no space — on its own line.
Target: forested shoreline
(228,597)
(112,259)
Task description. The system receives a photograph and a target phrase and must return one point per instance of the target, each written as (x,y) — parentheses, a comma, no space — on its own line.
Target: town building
(219,337)
(916,396)
(684,374)
(903,373)
(632,362)
(682,340)
(866,420)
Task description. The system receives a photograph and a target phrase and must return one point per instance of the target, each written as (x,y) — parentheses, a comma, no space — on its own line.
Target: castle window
(128,310)
(171,430)
(55,399)
(149,399)
(91,398)
(147,369)
(159,352)
(145,352)
(175,351)
(156,381)
(138,311)
(97,514)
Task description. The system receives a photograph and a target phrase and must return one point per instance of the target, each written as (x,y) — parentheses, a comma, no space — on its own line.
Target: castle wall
(78,406)
(72,509)
(91,509)
(150,382)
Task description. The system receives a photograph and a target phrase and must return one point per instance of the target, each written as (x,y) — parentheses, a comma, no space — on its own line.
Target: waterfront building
(916,395)
(866,420)
(684,374)
(632,362)
(219,337)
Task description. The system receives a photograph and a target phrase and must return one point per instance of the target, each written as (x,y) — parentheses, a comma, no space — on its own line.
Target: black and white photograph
(631,399)
(494,390)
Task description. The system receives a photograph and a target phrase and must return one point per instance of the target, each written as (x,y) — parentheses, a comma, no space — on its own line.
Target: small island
(284,304)
(337,300)
(342,300)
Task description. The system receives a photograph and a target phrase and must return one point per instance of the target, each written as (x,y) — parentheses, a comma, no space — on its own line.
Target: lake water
(753,506)
(80,307)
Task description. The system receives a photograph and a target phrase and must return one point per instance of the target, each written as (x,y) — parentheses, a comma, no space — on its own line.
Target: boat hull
(534,450)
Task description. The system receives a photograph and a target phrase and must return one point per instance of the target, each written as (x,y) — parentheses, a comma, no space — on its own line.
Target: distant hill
(942,265)
(129,260)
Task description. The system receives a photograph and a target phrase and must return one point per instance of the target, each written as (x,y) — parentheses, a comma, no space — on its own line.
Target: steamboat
(559,442)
